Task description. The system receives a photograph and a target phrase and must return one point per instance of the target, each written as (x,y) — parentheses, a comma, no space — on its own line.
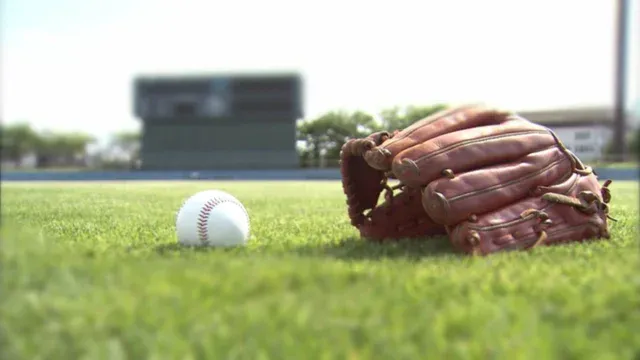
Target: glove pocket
(400,217)
(361,184)
(460,197)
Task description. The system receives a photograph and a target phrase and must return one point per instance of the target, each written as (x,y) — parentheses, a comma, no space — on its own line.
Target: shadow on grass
(354,248)
(176,247)
(351,248)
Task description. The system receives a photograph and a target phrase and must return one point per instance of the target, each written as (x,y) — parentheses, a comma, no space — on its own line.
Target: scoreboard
(223,96)
(222,121)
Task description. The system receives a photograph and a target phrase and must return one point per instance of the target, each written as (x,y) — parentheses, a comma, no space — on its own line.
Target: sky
(68,64)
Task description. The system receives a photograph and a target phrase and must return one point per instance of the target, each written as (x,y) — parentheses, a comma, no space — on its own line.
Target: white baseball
(212,218)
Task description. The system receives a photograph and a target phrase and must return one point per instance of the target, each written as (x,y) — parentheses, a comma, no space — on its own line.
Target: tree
(17,141)
(324,136)
(129,142)
(397,118)
(62,148)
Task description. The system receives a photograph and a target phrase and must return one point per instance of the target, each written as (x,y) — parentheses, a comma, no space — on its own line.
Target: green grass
(92,271)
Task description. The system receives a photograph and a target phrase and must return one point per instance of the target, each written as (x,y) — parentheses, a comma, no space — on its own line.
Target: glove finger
(403,217)
(450,201)
(361,183)
(442,122)
(536,221)
(469,149)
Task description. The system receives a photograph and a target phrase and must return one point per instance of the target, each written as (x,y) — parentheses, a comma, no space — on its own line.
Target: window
(584,148)
(185,109)
(583,135)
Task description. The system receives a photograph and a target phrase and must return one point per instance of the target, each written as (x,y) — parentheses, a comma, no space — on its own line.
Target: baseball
(212,218)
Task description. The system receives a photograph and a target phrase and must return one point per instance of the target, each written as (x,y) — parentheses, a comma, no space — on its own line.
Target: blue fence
(293,174)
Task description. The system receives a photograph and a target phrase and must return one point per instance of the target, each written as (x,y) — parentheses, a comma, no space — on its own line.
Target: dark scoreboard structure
(219,121)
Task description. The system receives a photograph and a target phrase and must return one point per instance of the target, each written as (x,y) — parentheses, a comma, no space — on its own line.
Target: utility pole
(620,86)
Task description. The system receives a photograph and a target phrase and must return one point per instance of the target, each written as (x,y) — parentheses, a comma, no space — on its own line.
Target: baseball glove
(400,215)
(492,179)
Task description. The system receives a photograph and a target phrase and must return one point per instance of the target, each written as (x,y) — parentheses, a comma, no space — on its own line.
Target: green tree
(57,148)
(324,136)
(129,142)
(18,140)
(398,118)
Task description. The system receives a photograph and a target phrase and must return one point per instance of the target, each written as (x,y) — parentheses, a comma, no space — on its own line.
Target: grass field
(92,271)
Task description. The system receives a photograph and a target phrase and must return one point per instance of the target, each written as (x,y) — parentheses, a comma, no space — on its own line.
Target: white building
(586,131)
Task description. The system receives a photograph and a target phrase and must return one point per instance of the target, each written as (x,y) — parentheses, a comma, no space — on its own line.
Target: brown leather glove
(400,215)
(476,167)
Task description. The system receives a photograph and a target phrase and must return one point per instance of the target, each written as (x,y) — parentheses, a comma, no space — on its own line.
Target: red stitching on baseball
(203,217)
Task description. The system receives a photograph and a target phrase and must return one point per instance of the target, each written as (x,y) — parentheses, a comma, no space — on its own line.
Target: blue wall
(295,174)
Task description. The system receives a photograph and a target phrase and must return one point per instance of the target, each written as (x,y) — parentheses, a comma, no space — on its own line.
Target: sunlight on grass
(92,270)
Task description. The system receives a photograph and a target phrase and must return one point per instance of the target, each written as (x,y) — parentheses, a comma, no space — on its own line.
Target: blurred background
(205,85)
